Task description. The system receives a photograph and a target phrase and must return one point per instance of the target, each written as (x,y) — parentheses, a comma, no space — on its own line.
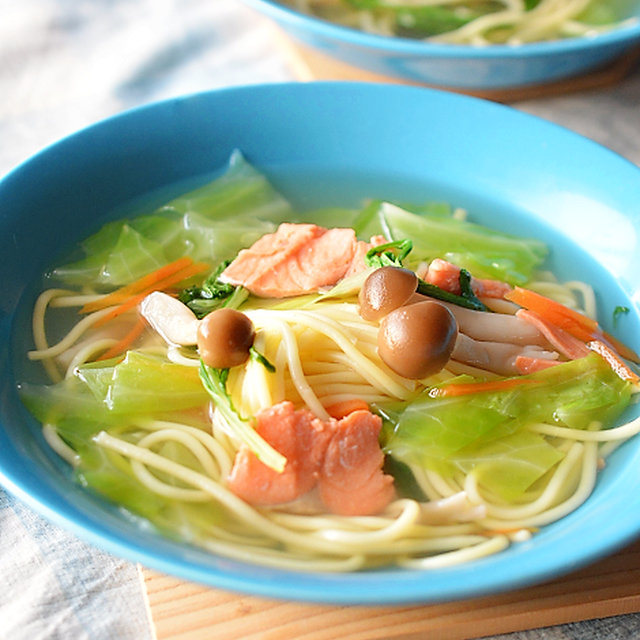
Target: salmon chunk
(351,479)
(297,259)
(341,458)
(446,275)
(301,438)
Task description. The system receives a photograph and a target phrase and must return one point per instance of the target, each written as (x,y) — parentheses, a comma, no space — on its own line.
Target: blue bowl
(323,144)
(462,67)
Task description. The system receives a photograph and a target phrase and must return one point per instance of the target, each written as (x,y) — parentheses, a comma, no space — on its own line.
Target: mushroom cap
(384,290)
(225,337)
(416,341)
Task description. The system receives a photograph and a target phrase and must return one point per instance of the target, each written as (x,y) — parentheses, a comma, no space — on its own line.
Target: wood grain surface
(185,611)
(309,64)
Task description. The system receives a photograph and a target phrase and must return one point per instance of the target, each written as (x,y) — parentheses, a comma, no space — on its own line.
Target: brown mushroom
(384,290)
(225,337)
(416,341)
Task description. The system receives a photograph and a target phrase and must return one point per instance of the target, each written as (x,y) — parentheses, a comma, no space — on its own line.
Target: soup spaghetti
(511,22)
(323,353)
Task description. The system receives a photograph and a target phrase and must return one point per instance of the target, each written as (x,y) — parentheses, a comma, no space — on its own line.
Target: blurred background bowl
(324,144)
(462,67)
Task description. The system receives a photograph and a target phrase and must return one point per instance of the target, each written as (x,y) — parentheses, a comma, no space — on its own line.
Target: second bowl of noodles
(469,46)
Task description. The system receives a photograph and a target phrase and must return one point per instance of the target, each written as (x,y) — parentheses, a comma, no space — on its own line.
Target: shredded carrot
(615,361)
(463,389)
(526,365)
(509,531)
(142,284)
(622,349)
(130,303)
(573,322)
(562,341)
(122,345)
(342,409)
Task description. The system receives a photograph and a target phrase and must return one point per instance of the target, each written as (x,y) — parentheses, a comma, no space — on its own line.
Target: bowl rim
(397,45)
(374,587)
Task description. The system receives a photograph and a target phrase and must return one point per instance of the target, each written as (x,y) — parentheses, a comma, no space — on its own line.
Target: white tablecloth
(67,63)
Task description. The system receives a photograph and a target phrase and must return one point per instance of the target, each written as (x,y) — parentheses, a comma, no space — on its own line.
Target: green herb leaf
(434,291)
(214,381)
(383,255)
(617,312)
(258,357)
(466,291)
(211,295)
(404,481)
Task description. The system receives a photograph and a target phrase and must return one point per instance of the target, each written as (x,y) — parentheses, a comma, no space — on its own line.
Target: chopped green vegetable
(143,383)
(446,21)
(467,299)
(483,252)
(617,312)
(260,359)
(439,432)
(509,466)
(72,407)
(111,475)
(210,295)
(383,255)
(211,223)
(214,381)
(403,479)
(421,22)
(104,391)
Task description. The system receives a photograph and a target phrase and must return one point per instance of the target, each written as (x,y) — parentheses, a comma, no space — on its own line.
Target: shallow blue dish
(463,67)
(326,143)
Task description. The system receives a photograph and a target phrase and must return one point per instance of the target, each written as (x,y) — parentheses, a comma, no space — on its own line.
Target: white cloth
(55,586)
(67,63)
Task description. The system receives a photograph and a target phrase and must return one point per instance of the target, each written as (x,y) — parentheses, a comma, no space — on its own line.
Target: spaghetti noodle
(512,22)
(167,454)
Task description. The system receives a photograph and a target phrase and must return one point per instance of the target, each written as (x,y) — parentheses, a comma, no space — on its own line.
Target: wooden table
(185,611)
(309,64)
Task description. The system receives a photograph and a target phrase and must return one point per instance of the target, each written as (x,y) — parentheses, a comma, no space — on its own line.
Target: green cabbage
(209,224)
(483,252)
(479,430)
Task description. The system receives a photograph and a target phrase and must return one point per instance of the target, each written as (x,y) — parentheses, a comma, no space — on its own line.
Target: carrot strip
(614,360)
(133,301)
(120,295)
(342,409)
(122,345)
(526,365)
(573,322)
(508,531)
(616,345)
(463,389)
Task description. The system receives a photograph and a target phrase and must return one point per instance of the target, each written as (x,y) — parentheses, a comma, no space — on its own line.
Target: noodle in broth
(170,465)
(471,22)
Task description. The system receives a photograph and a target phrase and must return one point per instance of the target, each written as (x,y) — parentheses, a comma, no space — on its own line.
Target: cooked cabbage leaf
(483,252)
(449,433)
(209,224)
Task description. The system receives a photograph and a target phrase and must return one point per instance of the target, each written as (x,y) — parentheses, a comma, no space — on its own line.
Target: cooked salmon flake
(446,275)
(298,259)
(341,458)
